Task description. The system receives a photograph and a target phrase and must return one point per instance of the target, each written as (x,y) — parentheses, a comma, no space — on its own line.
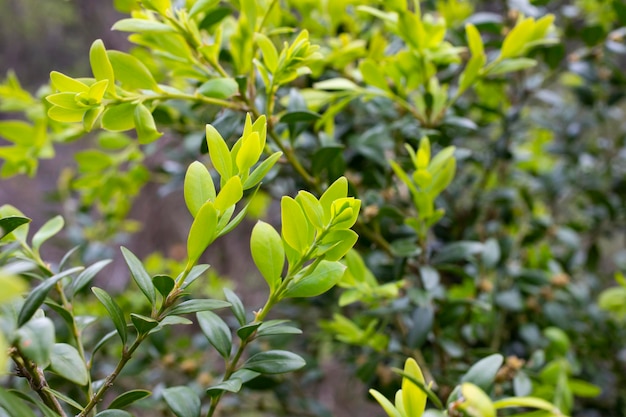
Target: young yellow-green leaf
(387,405)
(65,101)
(229,195)
(131,72)
(145,126)
(221,88)
(516,39)
(336,84)
(119,117)
(219,153)
(373,74)
(511,65)
(216,331)
(160,6)
(325,275)
(101,66)
(249,153)
(295,226)
(476,402)
(337,190)
(413,398)
(474,40)
(531,402)
(49,229)
(114,310)
(66,362)
(312,208)
(142,26)
(268,253)
(198,187)
(140,275)
(201,6)
(270,54)
(339,242)
(344,212)
(203,231)
(66,115)
(63,83)
(96,91)
(261,170)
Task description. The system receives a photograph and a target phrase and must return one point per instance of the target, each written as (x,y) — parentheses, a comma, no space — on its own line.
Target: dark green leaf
(64,398)
(139,274)
(164,284)
(103,341)
(216,331)
(129,397)
(423,318)
(457,251)
(276,327)
(194,306)
(10,223)
(14,404)
(274,362)
(35,340)
(299,116)
(143,324)
(231,385)
(115,312)
(236,306)
(37,296)
(183,401)
(195,273)
(66,362)
(483,373)
(214,16)
(246,331)
(87,275)
(114,413)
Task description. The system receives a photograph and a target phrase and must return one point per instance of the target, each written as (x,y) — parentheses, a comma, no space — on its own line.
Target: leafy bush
(488,188)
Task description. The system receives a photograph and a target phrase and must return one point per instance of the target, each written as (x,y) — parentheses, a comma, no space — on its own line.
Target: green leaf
(62,82)
(131,72)
(325,275)
(114,310)
(114,413)
(129,397)
(312,208)
(270,54)
(274,362)
(231,385)
(236,306)
(38,294)
(387,405)
(203,231)
(195,273)
(483,373)
(336,84)
(143,324)
(337,243)
(244,332)
(66,115)
(183,401)
(139,274)
(35,340)
(261,170)
(221,88)
(193,306)
(337,190)
(66,362)
(276,327)
(268,253)
(229,195)
(10,401)
(164,284)
(413,398)
(219,153)
(49,229)
(119,117)
(101,66)
(64,398)
(516,39)
(145,125)
(20,132)
(198,188)
(201,6)
(142,26)
(216,331)
(10,223)
(373,74)
(295,226)
(511,65)
(476,402)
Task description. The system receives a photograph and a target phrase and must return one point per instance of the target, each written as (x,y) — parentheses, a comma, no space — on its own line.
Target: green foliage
(449,189)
